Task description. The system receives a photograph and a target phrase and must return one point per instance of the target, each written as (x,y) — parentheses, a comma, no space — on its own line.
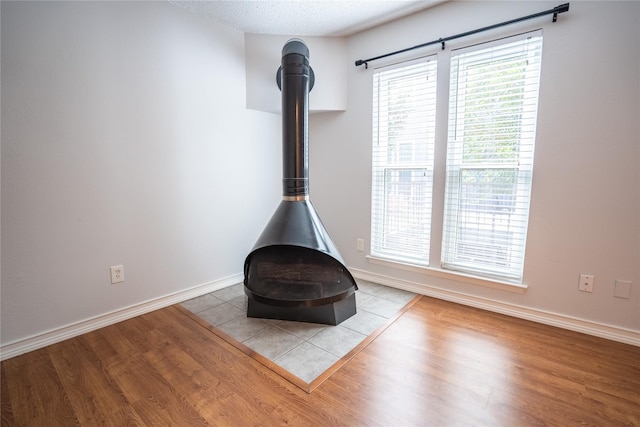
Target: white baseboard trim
(60,334)
(614,333)
(44,339)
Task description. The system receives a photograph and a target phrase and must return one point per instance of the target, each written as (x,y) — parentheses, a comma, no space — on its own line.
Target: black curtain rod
(556,10)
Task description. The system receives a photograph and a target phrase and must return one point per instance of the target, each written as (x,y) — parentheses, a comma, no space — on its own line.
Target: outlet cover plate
(586,283)
(117,274)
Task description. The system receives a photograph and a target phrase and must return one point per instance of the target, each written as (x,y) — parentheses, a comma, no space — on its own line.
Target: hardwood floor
(440,364)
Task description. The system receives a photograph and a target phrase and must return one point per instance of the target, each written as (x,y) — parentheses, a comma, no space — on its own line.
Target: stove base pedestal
(329,314)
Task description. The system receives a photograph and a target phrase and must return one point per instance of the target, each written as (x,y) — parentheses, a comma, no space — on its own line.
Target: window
(493,102)
(403,144)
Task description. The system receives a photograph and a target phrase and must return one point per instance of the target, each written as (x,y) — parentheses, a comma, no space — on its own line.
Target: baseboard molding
(60,334)
(610,332)
(35,342)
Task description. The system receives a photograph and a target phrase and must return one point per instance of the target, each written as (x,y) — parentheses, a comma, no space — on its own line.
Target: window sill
(518,288)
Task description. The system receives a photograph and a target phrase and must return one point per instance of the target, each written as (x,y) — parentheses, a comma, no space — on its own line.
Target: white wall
(125,140)
(585,208)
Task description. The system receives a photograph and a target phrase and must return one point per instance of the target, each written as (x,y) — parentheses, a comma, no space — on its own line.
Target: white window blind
(403,139)
(493,105)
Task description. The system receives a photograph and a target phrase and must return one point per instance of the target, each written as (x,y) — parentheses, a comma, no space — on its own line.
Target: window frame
(385,160)
(437,248)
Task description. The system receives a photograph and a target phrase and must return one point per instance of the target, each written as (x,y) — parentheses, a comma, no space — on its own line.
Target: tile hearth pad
(305,350)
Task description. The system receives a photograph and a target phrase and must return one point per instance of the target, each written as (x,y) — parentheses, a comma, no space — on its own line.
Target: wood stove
(294,271)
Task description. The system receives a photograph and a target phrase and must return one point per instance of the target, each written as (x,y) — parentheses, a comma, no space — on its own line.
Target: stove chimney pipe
(295,79)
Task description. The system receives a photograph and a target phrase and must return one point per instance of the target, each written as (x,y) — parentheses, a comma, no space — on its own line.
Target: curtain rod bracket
(441,41)
(560,9)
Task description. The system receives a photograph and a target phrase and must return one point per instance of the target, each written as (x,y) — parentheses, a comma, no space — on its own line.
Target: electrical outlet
(117,274)
(586,283)
(360,245)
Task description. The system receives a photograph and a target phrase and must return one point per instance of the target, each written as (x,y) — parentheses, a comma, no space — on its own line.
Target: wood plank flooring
(439,364)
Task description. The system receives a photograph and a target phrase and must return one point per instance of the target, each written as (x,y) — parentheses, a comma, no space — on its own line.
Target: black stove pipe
(295,79)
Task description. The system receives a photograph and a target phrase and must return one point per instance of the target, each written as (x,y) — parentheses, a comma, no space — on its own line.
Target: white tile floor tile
(364,322)
(338,340)
(221,314)
(381,306)
(273,342)
(242,328)
(202,303)
(369,287)
(307,361)
(229,293)
(397,295)
(300,329)
(240,302)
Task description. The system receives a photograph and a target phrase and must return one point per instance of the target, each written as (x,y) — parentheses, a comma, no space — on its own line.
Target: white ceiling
(304,17)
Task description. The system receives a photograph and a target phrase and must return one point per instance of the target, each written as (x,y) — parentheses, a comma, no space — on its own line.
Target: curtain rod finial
(560,9)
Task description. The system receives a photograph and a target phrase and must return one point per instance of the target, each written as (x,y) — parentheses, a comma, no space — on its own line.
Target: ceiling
(304,17)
